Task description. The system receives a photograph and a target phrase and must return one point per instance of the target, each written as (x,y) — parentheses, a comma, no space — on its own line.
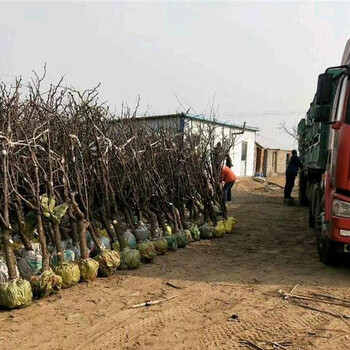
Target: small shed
(270,160)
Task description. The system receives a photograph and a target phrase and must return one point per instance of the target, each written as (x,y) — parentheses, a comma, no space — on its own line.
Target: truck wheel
(326,250)
(303,200)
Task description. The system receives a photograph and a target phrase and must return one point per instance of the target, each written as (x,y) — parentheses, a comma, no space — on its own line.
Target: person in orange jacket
(228,178)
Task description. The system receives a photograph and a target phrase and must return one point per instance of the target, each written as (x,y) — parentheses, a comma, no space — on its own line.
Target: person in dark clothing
(291,173)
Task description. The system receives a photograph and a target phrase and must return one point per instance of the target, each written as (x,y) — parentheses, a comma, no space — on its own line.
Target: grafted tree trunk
(21,225)
(82,227)
(152,219)
(5,218)
(40,226)
(43,243)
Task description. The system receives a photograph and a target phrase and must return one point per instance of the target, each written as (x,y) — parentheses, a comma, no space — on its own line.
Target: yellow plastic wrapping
(219,230)
(15,294)
(230,224)
(69,272)
(88,269)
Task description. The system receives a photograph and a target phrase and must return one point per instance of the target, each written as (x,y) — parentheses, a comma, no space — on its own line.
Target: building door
(258,167)
(244,159)
(274,162)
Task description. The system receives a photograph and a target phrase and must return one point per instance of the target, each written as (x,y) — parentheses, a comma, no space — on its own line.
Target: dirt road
(239,275)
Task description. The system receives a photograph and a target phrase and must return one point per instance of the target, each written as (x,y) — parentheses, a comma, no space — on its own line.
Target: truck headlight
(341,208)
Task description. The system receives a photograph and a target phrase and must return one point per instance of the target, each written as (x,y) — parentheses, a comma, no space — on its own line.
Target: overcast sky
(254,61)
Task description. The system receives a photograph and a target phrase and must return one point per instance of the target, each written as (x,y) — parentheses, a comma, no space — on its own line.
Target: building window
(244,150)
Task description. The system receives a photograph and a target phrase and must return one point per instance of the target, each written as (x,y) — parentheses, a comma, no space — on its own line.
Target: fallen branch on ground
(330,297)
(294,288)
(250,344)
(172,285)
(154,302)
(320,310)
(304,297)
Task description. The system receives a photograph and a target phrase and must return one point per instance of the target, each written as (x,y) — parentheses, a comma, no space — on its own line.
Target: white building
(243,152)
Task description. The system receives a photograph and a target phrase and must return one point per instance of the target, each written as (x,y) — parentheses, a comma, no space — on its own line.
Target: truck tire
(311,218)
(315,206)
(326,250)
(303,200)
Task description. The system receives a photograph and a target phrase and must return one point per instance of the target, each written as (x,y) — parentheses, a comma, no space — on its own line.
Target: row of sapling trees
(71,171)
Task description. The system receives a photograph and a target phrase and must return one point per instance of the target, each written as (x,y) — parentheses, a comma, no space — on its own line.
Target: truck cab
(324,145)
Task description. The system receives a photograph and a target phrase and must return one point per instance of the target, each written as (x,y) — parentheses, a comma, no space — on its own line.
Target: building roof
(200,117)
(266,143)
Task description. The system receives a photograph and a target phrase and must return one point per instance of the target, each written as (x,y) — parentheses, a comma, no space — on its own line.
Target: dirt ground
(229,297)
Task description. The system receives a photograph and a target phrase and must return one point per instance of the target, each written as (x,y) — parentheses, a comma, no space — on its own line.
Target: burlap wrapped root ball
(109,261)
(88,269)
(69,272)
(45,284)
(230,224)
(172,243)
(206,231)
(220,229)
(161,246)
(147,251)
(130,259)
(16,294)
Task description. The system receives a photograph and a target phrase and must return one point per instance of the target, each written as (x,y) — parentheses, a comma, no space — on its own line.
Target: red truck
(324,145)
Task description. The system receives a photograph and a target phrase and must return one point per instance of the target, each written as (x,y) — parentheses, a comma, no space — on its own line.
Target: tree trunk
(21,225)
(176,226)
(94,237)
(107,226)
(152,219)
(178,218)
(6,225)
(82,226)
(43,243)
(58,242)
(10,258)
(75,234)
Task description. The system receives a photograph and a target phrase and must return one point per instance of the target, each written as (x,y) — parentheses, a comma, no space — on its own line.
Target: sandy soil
(229,296)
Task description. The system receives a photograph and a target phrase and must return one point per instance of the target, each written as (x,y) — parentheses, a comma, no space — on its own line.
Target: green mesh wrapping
(181,239)
(161,246)
(88,269)
(206,231)
(45,284)
(109,261)
(116,246)
(130,259)
(172,243)
(196,235)
(147,251)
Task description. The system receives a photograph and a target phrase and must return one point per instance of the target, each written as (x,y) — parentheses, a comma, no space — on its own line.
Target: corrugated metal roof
(202,118)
